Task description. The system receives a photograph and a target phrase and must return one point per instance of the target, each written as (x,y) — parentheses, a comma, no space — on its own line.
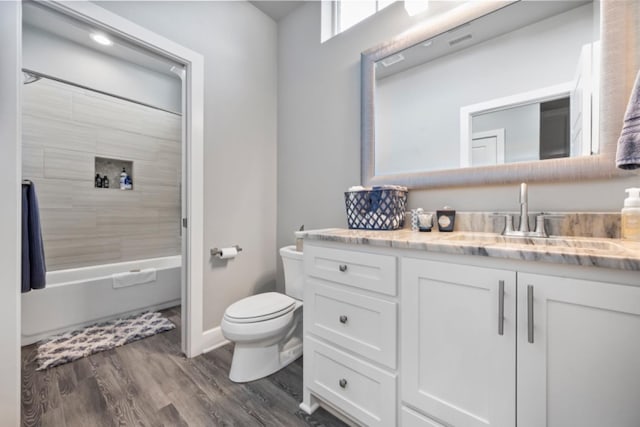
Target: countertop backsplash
(578,224)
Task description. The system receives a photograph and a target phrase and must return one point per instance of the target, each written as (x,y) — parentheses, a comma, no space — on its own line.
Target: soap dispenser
(631,215)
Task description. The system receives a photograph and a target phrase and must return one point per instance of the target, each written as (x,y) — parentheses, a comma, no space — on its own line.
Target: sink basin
(549,243)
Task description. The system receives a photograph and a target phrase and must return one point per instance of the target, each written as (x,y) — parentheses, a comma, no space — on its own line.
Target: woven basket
(381,209)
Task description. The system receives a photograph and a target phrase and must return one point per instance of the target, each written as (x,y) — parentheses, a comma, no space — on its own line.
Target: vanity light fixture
(416,7)
(101,39)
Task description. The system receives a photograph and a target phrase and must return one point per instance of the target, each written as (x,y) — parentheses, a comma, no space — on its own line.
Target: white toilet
(267,328)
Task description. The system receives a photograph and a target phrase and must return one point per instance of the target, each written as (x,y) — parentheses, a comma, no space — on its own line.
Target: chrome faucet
(523,229)
(524,208)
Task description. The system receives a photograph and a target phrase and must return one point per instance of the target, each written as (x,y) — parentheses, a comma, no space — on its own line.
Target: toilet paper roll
(227,253)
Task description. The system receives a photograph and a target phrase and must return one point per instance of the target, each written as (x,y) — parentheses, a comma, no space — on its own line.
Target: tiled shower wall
(64,129)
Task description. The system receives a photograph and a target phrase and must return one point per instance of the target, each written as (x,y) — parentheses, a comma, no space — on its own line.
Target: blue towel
(628,153)
(33,264)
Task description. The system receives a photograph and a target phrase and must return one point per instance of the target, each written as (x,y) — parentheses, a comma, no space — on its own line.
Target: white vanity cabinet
(420,339)
(458,354)
(579,356)
(578,348)
(350,333)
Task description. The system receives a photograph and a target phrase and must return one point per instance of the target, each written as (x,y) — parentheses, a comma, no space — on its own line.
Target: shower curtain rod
(67,82)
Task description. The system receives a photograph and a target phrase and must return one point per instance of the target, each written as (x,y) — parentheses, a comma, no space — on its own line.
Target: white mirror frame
(620,42)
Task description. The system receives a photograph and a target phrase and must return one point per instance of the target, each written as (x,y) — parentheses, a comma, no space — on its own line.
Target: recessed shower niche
(112,169)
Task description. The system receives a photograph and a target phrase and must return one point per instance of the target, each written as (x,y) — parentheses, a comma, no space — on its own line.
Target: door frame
(467,112)
(10,209)
(498,134)
(192,152)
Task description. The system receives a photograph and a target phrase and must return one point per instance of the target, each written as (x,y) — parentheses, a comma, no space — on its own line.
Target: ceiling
(79,32)
(276,9)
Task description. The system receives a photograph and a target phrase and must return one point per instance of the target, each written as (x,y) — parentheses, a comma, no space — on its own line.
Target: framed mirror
(497,92)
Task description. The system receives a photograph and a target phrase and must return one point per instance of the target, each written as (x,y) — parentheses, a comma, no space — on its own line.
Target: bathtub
(77,297)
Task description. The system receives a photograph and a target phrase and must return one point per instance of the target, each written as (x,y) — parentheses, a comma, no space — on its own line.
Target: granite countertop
(597,252)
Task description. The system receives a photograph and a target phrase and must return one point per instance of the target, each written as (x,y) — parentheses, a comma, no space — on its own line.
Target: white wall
(58,57)
(10,27)
(419,109)
(239,46)
(319,134)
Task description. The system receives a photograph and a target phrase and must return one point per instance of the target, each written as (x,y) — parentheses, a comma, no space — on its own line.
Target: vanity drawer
(362,324)
(366,393)
(373,272)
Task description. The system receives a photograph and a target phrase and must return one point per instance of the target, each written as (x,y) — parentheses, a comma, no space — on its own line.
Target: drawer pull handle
(343,267)
(501,307)
(343,383)
(343,319)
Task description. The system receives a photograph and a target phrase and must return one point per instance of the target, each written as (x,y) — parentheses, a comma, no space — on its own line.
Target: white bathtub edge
(31,339)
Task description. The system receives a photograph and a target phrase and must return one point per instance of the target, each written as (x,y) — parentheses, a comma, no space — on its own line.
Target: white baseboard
(212,339)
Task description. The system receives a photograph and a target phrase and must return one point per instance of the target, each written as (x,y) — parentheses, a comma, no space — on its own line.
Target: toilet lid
(260,307)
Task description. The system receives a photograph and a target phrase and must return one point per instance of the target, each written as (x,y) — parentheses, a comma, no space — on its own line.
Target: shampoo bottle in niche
(105,182)
(123,179)
(631,215)
(98,181)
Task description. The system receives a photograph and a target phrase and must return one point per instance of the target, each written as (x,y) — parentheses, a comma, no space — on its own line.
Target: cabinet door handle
(342,267)
(501,307)
(343,383)
(343,319)
(530,314)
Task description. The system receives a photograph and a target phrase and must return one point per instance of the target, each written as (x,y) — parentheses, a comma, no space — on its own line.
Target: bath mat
(70,346)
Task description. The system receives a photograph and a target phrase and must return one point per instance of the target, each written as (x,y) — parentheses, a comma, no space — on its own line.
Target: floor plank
(150,383)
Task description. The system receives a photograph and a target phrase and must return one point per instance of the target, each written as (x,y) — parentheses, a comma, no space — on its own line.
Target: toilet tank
(293,274)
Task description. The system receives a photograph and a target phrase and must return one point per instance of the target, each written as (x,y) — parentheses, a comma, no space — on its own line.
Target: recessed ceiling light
(101,39)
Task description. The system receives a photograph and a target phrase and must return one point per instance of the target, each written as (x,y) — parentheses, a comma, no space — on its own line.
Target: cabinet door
(456,366)
(583,366)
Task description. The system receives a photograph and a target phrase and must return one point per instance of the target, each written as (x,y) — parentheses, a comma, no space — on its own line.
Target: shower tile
(163,125)
(149,174)
(85,195)
(116,215)
(132,248)
(97,110)
(61,134)
(32,161)
(119,144)
(156,196)
(68,253)
(117,114)
(67,223)
(83,225)
(53,193)
(67,164)
(47,98)
(169,214)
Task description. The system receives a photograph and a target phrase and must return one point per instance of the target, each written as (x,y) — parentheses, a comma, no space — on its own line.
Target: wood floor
(150,383)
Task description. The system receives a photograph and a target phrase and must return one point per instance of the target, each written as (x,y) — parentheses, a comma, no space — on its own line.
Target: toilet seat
(259,308)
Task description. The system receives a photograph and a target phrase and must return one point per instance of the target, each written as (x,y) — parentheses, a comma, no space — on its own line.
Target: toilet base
(252,362)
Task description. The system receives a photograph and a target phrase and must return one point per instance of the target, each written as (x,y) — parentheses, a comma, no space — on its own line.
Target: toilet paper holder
(218,251)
